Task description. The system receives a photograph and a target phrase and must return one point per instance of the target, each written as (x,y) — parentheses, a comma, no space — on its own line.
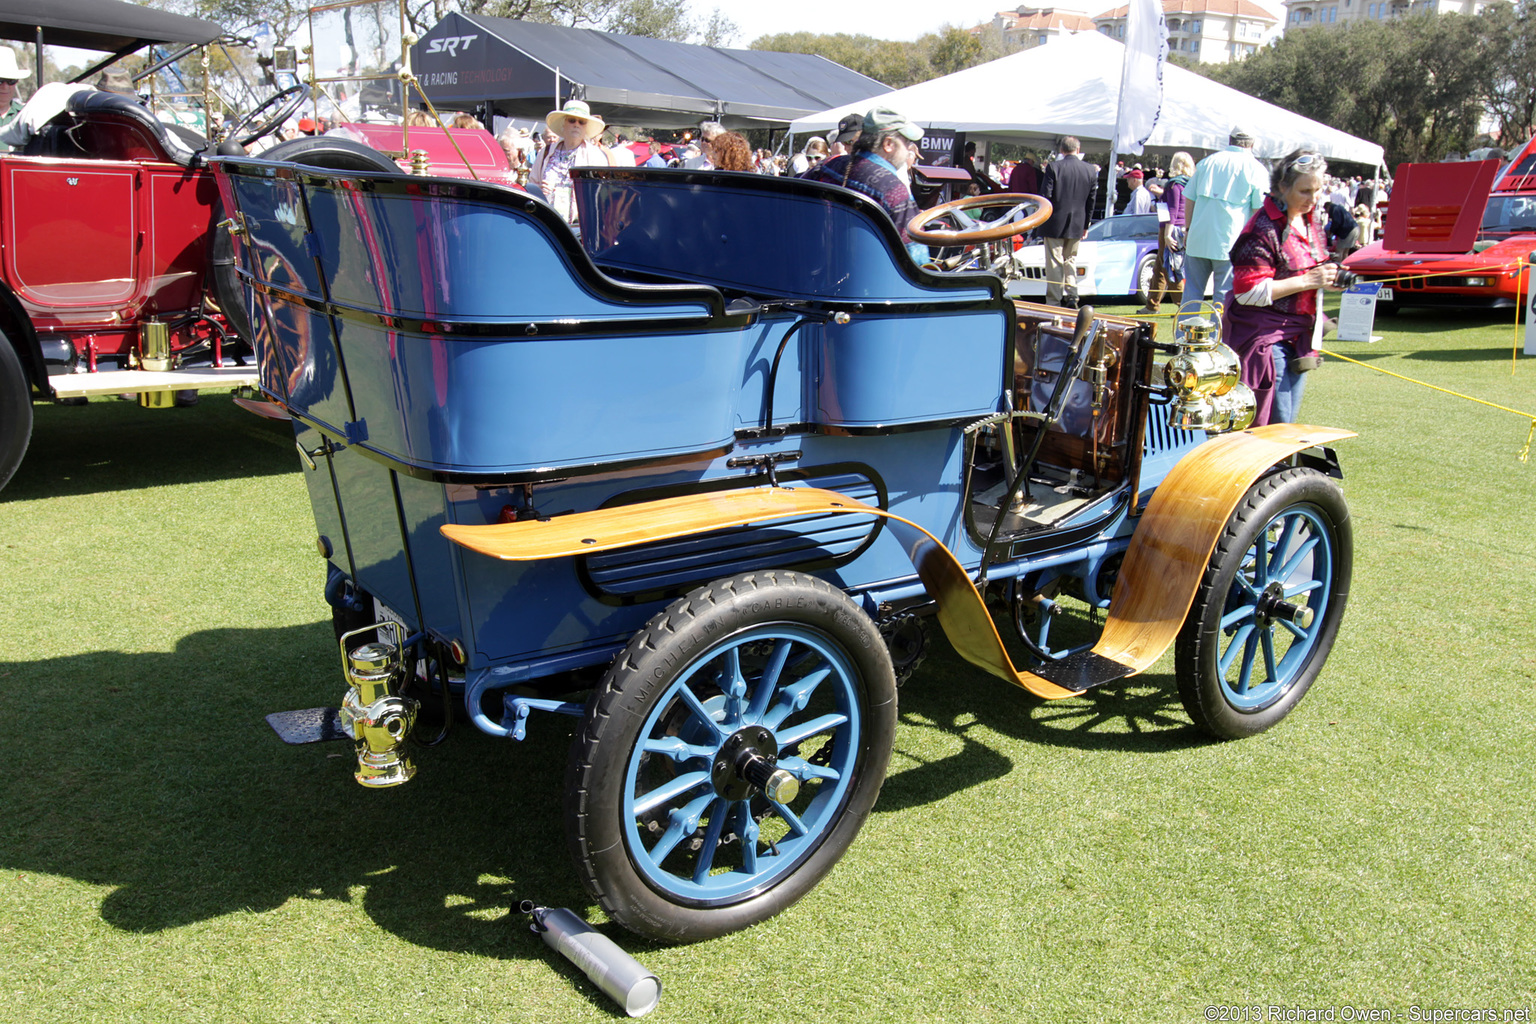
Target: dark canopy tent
(108,26)
(524,69)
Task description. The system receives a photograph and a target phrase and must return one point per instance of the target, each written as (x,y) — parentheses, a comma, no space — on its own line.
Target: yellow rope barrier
(1525,452)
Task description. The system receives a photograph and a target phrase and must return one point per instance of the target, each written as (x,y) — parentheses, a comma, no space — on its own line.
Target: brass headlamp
(1203,376)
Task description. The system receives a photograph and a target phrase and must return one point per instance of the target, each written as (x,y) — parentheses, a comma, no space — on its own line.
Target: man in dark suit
(1071,184)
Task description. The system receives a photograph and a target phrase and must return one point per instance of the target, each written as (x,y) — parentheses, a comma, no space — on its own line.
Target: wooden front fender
(1153,594)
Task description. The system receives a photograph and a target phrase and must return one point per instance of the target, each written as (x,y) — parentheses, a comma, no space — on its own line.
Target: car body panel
(1107,258)
(451,152)
(1435,207)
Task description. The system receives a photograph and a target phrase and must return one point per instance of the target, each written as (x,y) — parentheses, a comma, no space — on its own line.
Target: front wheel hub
(748,760)
(1272,607)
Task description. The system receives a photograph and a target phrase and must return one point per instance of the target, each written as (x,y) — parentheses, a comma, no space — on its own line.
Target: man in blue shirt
(1227,189)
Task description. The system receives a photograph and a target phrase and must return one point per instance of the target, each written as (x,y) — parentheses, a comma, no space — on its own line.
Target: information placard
(1357,312)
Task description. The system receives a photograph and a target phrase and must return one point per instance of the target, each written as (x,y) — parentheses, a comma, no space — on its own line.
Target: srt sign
(450,44)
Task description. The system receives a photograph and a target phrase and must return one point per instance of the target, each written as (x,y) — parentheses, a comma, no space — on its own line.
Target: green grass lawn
(163,857)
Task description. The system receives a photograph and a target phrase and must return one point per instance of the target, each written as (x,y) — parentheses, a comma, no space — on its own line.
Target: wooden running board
(1170,548)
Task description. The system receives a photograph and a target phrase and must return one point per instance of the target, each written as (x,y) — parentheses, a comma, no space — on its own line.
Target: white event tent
(1070,86)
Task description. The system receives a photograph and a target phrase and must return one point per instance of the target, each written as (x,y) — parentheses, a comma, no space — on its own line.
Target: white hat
(575,108)
(8,68)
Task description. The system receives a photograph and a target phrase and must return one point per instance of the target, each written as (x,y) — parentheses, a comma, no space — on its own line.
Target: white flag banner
(1141,80)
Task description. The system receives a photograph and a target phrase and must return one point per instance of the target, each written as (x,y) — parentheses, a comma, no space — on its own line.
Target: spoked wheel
(1268,610)
(730,756)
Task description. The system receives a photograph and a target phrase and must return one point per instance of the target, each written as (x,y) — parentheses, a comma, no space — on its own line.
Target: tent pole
(1109,181)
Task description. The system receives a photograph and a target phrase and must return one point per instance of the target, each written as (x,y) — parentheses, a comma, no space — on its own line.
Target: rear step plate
(312,725)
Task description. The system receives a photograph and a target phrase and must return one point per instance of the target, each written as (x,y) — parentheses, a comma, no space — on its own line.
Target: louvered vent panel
(785,543)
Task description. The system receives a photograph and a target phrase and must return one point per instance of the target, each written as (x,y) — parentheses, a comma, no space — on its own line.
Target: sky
(882,19)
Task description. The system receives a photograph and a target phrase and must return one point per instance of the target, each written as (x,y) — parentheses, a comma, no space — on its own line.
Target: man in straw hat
(11,75)
(577,130)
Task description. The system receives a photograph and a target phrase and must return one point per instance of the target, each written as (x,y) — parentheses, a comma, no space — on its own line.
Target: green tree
(894,63)
(951,49)
(1509,38)
(1415,85)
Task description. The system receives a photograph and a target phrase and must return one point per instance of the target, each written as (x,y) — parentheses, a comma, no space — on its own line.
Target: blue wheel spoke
(1245,673)
(1303,549)
(683,821)
(769,683)
(1295,629)
(1242,613)
(805,730)
(702,713)
(734,685)
(1303,588)
(802,769)
(795,697)
(1239,639)
(1282,544)
(677,749)
(1267,640)
(1261,560)
(746,827)
(706,861)
(790,818)
(669,791)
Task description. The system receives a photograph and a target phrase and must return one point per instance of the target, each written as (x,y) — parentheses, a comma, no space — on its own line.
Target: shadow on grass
(1142,714)
(1438,320)
(112,445)
(1460,355)
(156,774)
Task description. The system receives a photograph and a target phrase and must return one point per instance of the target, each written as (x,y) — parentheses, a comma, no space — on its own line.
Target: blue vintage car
(702,476)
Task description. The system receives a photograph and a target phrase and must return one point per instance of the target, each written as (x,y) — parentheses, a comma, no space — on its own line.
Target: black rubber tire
(15,410)
(331,153)
(1146,270)
(1198,647)
(687,632)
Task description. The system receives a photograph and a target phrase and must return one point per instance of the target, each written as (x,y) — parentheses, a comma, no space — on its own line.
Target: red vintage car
(1455,236)
(116,272)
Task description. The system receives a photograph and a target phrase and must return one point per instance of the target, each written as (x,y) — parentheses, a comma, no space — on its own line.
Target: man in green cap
(877,167)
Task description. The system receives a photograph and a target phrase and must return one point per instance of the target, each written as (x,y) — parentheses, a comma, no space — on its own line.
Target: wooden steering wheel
(1010,224)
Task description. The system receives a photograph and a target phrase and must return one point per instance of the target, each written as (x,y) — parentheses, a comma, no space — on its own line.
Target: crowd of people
(1263,241)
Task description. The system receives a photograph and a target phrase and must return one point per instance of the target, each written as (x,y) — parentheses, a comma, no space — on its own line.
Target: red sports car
(1436,253)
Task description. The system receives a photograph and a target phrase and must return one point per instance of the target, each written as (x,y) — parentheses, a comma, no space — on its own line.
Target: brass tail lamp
(373,713)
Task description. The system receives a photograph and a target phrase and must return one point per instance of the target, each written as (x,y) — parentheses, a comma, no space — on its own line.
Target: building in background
(1026,27)
(1301,14)
(1207,31)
